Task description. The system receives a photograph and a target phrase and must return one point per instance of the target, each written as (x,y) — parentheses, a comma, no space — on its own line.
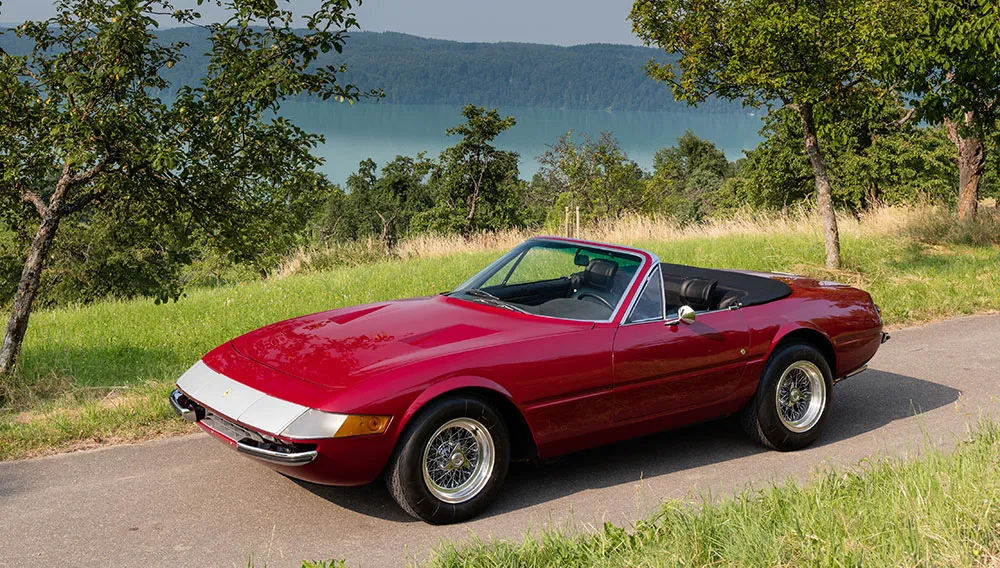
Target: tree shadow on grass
(861,405)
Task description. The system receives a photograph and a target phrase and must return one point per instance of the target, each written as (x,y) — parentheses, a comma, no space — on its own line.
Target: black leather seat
(697,293)
(600,274)
(748,289)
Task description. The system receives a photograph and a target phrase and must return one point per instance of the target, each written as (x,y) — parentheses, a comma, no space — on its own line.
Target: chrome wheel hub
(458,460)
(801,396)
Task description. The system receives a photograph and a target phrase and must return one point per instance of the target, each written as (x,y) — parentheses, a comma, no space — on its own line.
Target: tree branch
(93,170)
(907,116)
(33,198)
(68,180)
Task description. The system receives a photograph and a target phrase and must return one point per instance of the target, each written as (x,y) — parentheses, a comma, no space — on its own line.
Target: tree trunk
(971,163)
(385,238)
(824,196)
(473,201)
(874,197)
(471,217)
(27,288)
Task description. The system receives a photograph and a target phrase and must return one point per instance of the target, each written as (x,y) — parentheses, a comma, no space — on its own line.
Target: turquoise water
(382,131)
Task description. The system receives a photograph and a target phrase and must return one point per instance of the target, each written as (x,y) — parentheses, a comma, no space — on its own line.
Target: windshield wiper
(492,300)
(479,293)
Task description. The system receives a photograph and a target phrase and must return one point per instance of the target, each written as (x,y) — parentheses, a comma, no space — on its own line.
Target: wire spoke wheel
(801,396)
(458,460)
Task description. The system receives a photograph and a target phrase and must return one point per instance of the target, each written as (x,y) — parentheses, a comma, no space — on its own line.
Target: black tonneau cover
(755,289)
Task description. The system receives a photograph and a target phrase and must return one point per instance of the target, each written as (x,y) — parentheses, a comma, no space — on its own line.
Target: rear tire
(792,400)
(451,461)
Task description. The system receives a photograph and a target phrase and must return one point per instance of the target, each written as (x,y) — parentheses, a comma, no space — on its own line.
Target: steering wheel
(600,299)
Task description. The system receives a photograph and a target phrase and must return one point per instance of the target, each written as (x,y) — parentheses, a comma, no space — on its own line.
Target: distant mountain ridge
(416,70)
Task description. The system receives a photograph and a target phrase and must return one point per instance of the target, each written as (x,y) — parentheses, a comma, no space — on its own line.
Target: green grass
(136,414)
(940,510)
(122,343)
(72,354)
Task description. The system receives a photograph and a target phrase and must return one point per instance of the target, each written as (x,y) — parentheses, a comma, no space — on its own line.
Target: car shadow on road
(372,499)
(861,405)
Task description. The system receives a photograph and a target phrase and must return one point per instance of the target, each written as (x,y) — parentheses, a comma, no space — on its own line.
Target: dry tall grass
(625,230)
(632,229)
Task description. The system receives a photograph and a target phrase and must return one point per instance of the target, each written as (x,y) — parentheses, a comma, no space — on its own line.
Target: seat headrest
(600,274)
(697,292)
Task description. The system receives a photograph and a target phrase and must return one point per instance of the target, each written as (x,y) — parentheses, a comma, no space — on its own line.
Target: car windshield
(555,279)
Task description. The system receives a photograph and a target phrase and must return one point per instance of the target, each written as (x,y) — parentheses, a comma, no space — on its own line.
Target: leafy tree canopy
(951,65)
(475,184)
(796,54)
(83,129)
(594,175)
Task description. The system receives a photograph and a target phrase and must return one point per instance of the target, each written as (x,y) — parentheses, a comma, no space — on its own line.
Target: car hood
(342,347)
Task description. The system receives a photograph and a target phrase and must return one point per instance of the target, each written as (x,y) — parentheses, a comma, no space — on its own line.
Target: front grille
(230,429)
(248,437)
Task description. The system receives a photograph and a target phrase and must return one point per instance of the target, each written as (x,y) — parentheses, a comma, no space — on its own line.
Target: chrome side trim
(237,401)
(280,458)
(857,371)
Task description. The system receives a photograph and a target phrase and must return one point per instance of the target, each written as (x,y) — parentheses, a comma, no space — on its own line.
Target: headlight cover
(316,424)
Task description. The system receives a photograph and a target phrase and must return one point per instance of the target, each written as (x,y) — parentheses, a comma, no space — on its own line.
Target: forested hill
(415,70)
(596,76)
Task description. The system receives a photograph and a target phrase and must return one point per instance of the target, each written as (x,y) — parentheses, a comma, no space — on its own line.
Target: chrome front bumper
(278,457)
(247,441)
(182,407)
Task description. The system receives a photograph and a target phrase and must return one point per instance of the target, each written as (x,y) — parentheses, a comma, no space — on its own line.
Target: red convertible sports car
(558,346)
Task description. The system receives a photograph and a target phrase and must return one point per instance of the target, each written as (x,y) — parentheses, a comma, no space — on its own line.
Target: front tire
(793,399)
(451,460)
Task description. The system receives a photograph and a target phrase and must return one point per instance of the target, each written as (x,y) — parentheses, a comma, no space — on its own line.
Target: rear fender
(791,327)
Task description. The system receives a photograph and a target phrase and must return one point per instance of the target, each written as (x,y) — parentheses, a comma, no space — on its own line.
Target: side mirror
(685,314)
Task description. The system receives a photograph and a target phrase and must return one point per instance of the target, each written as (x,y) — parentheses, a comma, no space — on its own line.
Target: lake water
(382,131)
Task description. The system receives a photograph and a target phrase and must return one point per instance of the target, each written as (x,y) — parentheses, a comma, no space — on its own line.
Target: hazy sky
(563,22)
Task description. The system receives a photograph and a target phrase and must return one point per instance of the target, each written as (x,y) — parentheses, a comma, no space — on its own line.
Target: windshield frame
(646,259)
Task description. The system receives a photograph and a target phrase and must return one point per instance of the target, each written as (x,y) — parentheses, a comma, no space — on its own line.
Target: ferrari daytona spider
(557,346)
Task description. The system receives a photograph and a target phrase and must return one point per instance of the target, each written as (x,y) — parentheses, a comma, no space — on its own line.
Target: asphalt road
(190,501)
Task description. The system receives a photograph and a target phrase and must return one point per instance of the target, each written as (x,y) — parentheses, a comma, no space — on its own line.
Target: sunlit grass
(80,421)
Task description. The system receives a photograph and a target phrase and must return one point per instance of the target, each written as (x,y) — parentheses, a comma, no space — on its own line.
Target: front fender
(448,385)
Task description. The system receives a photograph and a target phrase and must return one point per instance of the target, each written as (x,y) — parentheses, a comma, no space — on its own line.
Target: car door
(663,365)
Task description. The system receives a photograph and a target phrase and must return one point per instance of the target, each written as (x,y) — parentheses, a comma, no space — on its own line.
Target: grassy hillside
(74,357)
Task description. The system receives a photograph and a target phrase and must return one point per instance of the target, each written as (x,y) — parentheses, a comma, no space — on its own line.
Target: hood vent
(444,336)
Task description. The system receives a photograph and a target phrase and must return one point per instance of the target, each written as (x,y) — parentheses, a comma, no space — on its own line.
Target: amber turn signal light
(362,425)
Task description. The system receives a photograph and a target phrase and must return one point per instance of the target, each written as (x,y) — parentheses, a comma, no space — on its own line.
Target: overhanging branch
(33,198)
